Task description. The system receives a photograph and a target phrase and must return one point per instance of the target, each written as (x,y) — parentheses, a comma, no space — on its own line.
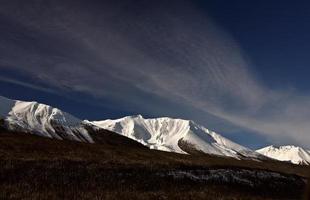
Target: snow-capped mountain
(167,134)
(41,119)
(175,135)
(296,155)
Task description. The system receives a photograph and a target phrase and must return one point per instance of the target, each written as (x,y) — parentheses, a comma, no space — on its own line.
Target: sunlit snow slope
(175,135)
(41,119)
(296,155)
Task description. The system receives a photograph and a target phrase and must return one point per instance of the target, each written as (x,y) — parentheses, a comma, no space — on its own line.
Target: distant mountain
(41,119)
(176,135)
(294,154)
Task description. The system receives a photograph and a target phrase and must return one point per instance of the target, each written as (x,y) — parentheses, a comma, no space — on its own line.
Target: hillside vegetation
(33,167)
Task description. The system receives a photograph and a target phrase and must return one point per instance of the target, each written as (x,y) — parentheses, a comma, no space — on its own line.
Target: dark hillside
(33,167)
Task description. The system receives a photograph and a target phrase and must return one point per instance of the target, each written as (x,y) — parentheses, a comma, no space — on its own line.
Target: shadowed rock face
(189,148)
(103,137)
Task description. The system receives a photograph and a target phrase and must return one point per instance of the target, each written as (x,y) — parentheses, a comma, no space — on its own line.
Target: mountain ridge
(164,133)
(289,153)
(167,134)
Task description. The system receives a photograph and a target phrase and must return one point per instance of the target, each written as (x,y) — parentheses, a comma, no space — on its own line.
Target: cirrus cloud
(135,50)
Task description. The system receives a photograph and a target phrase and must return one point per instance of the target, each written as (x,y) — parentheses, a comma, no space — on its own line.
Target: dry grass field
(33,167)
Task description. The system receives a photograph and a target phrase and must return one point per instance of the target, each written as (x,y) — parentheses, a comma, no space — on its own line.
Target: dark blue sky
(238,67)
(274,35)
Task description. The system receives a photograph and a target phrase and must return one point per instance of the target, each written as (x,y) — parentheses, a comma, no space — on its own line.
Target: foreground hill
(33,167)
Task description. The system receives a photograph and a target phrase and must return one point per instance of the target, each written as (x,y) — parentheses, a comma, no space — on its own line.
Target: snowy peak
(34,112)
(156,133)
(41,119)
(175,135)
(294,154)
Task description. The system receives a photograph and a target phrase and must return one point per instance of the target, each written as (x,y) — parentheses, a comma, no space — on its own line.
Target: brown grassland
(33,167)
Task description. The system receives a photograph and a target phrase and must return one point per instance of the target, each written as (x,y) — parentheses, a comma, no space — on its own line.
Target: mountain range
(165,134)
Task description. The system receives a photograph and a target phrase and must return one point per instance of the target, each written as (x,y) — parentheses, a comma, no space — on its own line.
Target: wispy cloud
(27,85)
(136,50)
